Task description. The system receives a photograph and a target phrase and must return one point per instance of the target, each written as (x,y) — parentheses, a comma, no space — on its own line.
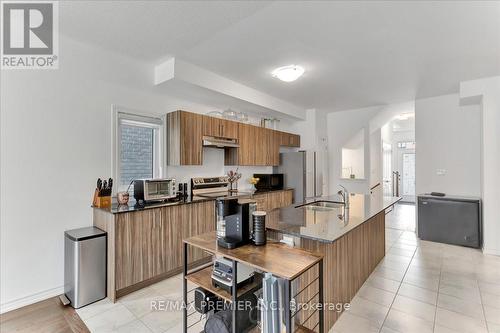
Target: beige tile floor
(418,287)
(425,287)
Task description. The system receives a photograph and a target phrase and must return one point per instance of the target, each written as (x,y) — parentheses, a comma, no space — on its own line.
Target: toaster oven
(148,190)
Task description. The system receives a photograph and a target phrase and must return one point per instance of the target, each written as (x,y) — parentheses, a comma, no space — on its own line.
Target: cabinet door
(247,140)
(184,138)
(287,198)
(154,256)
(261,201)
(261,145)
(174,231)
(191,138)
(211,126)
(284,138)
(128,248)
(229,129)
(273,152)
(294,140)
(289,140)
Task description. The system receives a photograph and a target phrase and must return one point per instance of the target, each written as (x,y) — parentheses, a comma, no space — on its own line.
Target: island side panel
(106,221)
(348,262)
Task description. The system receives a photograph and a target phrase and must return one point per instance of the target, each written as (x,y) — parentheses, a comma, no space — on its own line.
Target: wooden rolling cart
(276,258)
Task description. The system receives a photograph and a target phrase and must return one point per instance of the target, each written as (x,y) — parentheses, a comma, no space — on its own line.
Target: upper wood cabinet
(258,145)
(184,138)
(289,140)
(246,153)
(221,128)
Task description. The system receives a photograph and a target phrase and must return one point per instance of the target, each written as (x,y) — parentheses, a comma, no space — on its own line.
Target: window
(138,148)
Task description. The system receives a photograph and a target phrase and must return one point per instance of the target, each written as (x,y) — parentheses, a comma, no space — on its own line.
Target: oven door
(158,189)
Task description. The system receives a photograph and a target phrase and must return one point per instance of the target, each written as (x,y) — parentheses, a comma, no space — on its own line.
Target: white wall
(376,158)
(341,127)
(447,137)
(485,94)
(55,143)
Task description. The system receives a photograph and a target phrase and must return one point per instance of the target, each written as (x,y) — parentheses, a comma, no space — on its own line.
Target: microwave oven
(269,181)
(148,190)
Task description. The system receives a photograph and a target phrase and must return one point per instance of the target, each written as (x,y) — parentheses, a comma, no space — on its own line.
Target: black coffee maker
(237,222)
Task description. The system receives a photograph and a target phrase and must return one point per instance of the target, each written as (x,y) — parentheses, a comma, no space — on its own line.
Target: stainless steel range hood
(211,141)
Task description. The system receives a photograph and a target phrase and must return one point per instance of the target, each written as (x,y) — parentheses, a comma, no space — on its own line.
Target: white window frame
(123,115)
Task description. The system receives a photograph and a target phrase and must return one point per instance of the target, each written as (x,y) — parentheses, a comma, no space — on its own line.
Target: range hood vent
(211,141)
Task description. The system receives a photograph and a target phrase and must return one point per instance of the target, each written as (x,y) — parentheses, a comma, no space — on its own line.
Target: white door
(408,177)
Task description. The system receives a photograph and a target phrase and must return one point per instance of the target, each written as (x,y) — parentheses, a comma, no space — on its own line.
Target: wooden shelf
(203,278)
(274,257)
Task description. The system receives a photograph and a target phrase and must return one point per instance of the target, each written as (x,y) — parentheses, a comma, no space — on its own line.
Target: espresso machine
(234,221)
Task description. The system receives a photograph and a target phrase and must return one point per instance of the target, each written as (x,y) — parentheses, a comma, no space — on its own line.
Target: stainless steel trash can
(84,265)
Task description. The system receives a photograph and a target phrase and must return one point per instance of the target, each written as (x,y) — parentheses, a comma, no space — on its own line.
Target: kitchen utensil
(110,183)
(105,185)
(259,227)
(123,198)
(99,183)
(216,114)
(243,117)
(229,114)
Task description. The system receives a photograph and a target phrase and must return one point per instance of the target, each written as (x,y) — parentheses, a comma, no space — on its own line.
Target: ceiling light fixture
(288,73)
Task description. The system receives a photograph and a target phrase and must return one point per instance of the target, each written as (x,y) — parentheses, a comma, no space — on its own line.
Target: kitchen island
(352,241)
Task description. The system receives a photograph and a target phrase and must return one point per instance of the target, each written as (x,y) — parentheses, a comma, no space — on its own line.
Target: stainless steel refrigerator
(304,171)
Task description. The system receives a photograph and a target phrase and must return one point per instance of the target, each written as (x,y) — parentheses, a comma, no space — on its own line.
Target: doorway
(408,177)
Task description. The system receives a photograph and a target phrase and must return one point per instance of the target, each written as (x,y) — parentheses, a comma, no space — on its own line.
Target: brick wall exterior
(136,153)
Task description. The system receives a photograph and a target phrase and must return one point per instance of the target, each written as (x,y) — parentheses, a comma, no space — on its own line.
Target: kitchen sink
(323,205)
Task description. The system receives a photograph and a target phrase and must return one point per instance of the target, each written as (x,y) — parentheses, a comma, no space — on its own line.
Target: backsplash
(213,165)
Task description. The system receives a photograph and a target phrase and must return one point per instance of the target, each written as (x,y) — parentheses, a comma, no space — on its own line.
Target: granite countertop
(132,206)
(327,224)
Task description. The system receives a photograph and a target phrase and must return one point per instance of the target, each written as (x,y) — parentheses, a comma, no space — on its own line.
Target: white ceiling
(356,54)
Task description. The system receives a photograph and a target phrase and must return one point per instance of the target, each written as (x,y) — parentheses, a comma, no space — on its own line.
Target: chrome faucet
(345,196)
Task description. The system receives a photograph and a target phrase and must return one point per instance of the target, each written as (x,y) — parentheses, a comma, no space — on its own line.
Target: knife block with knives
(102,193)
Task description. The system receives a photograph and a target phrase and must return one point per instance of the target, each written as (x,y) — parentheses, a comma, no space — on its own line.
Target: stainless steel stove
(213,187)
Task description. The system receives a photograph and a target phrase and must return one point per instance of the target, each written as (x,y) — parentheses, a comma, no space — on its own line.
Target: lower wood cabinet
(146,246)
(271,200)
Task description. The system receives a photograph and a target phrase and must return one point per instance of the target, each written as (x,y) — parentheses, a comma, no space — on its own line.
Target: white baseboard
(27,300)
(491,251)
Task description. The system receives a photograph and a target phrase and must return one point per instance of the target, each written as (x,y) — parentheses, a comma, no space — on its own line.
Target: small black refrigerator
(450,219)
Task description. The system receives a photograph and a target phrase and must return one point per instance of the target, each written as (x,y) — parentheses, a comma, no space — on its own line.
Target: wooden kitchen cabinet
(246,153)
(275,199)
(128,248)
(294,140)
(220,128)
(258,145)
(145,246)
(273,151)
(289,139)
(229,129)
(184,138)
